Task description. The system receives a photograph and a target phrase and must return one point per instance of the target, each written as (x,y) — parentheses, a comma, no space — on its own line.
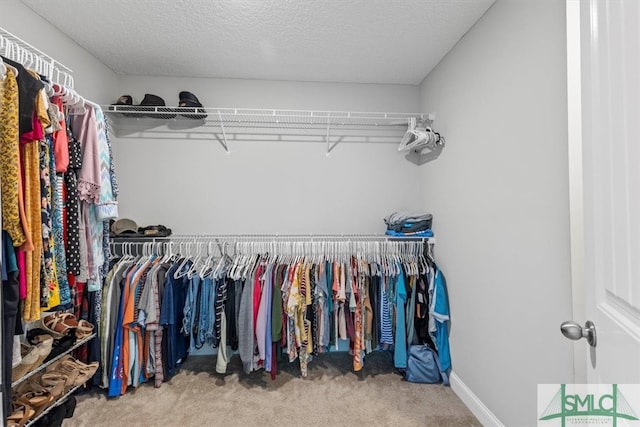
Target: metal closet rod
(277,237)
(16,49)
(279,244)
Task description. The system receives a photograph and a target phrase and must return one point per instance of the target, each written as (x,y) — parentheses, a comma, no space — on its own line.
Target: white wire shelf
(234,124)
(248,116)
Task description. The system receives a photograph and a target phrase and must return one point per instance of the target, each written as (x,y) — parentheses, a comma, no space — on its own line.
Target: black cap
(188,99)
(125,100)
(155,101)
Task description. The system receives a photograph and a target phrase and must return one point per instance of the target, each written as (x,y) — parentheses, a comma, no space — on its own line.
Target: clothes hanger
(204,270)
(165,252)
(10,67)
(217,271)
(409,136)
(236,263)
(179,274)
(195,265)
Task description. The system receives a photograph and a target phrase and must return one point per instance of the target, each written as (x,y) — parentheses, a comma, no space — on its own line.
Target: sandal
(20,414)
(85,371)
(55,383)
(84,330)
(59,323)
(44,344)
(69,371)
(30,356)
(32,384)
(38,400)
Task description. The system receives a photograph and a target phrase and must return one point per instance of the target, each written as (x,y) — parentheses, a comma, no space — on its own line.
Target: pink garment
(85,129)
(61,141)
(257,292)
(35,135)
(22,267)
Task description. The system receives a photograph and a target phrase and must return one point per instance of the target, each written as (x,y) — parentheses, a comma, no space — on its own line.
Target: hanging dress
(10,159)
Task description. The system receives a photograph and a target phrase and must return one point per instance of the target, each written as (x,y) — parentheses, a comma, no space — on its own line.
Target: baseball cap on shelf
(124,226)
(187,99)
(125,103)
(155,105)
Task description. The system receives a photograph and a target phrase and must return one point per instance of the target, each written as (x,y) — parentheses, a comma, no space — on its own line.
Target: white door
(604,143)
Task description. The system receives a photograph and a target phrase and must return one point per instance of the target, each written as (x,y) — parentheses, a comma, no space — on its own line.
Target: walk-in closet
(248,212)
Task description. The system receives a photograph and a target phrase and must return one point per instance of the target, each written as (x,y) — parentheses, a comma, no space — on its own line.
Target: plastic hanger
(205,269)
(10,67)
(219,266)
(195,265)
(179,273)
(409,136)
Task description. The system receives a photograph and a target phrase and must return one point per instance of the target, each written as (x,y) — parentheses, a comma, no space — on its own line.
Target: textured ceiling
(362,41)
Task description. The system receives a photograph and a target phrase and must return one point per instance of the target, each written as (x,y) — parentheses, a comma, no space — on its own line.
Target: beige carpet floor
(331,395)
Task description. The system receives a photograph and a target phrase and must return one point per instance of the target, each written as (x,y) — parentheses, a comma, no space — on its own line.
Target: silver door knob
(574,331)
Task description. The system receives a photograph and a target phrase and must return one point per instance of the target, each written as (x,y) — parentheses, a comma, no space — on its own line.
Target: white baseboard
(475,405)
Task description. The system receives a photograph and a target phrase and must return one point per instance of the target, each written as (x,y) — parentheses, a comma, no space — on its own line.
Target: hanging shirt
(276,306)
(400,349)
(441,315)
(28,89)
(261,317)
(10,159)
(171,316)
(245,326)
(386,331)
(267,295)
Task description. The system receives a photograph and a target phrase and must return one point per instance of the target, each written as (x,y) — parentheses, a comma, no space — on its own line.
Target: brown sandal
(32,384)
(38,400)
(30,356)
(20,414)
(55,383)
(70,372)
(84,329)
(59,323)
(85,371)
(44,344)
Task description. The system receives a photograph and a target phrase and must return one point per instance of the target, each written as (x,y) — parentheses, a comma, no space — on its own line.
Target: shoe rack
(42,367)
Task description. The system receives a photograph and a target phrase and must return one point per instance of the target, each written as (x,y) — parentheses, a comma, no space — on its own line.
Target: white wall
(93,80)
(500,199)
(263,186)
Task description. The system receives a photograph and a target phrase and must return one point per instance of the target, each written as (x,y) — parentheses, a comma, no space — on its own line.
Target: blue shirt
(9,264)
(171,317)
(441,314)
(400,348)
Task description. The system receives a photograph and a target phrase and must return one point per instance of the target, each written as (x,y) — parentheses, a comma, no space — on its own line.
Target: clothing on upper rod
(292,299)
(52,233)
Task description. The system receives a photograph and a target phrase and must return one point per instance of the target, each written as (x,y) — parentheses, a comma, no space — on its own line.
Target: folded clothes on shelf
(424,233)
(397,218)
(407,223)
(410,227)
